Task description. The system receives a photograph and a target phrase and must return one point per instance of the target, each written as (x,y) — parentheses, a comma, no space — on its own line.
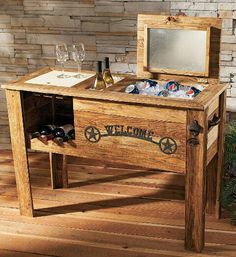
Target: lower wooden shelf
(65,149)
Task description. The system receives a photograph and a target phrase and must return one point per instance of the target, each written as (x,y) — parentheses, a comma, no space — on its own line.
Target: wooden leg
(211,185)
(215,167)
(195,186)
(19,150)
(58,170)
(220,154)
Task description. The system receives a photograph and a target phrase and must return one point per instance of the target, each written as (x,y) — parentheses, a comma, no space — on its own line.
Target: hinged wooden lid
(178,45)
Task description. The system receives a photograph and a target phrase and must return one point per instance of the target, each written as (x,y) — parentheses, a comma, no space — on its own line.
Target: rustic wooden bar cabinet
(170,134)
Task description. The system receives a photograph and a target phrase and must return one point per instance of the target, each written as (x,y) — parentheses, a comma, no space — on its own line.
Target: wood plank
(9,253)
(212,136)
(15,113)
(195,186)
(141,145)
(211,185)
(220,152)
(211,152)
(213,107)
(85,93)
(58,170)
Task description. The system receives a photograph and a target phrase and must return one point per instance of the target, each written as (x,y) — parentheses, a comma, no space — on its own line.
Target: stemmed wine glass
(62,56)
(78,55)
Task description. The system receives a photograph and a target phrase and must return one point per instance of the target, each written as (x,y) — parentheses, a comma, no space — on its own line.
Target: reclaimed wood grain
(58,170)
(135,150)
(16,122)
(195,186)
(201,102)
(220,152)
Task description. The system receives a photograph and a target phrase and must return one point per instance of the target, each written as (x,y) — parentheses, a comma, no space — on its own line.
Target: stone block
(228,47)
(60,22)
(137,7)
(6,51)
(110,49)
(5,19)
(27,22)
(227,6)
(227,23)
(95,26)
(226,14)
(226,71)
(229,39)
(79,11)
(6,38)
(48,50)
(226,57)
(109,8)
(51,39)
(123,25)
(194,6)
(123,67)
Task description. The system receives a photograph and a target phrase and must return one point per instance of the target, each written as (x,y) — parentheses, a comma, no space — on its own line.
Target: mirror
(183,51)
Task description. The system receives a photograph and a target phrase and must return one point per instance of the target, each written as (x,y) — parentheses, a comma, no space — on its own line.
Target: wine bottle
(61,134)
(99,82)
(35,134)
(71,134)
(107,73)
(44,133)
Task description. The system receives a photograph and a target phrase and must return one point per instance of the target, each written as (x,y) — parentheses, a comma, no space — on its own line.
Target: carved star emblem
(168,145)
(92,134)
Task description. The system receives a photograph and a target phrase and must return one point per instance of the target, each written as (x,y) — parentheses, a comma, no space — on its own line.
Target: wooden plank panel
(213,107)
(211,186)
(212,136)
(212,151)
(132,135)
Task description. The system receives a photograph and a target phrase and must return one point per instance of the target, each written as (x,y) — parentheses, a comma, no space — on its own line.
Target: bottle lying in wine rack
(59,134)
(63,134)
(44,133)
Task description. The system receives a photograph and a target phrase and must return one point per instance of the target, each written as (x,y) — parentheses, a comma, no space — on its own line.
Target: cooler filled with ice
(164,89)
(167,89)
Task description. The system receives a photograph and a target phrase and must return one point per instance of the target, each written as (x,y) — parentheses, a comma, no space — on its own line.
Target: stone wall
(29,30)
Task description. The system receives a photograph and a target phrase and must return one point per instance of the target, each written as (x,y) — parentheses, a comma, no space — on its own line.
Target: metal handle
(215,121)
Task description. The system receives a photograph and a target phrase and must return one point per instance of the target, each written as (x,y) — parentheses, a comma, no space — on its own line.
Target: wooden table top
(114,94)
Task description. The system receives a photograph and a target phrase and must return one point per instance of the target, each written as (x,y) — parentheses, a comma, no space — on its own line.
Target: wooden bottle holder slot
(42,109)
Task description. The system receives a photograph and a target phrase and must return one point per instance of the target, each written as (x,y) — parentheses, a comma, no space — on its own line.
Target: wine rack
(42,109)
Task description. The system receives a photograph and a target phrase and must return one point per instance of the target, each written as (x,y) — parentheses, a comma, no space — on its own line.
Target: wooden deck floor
(106,212)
